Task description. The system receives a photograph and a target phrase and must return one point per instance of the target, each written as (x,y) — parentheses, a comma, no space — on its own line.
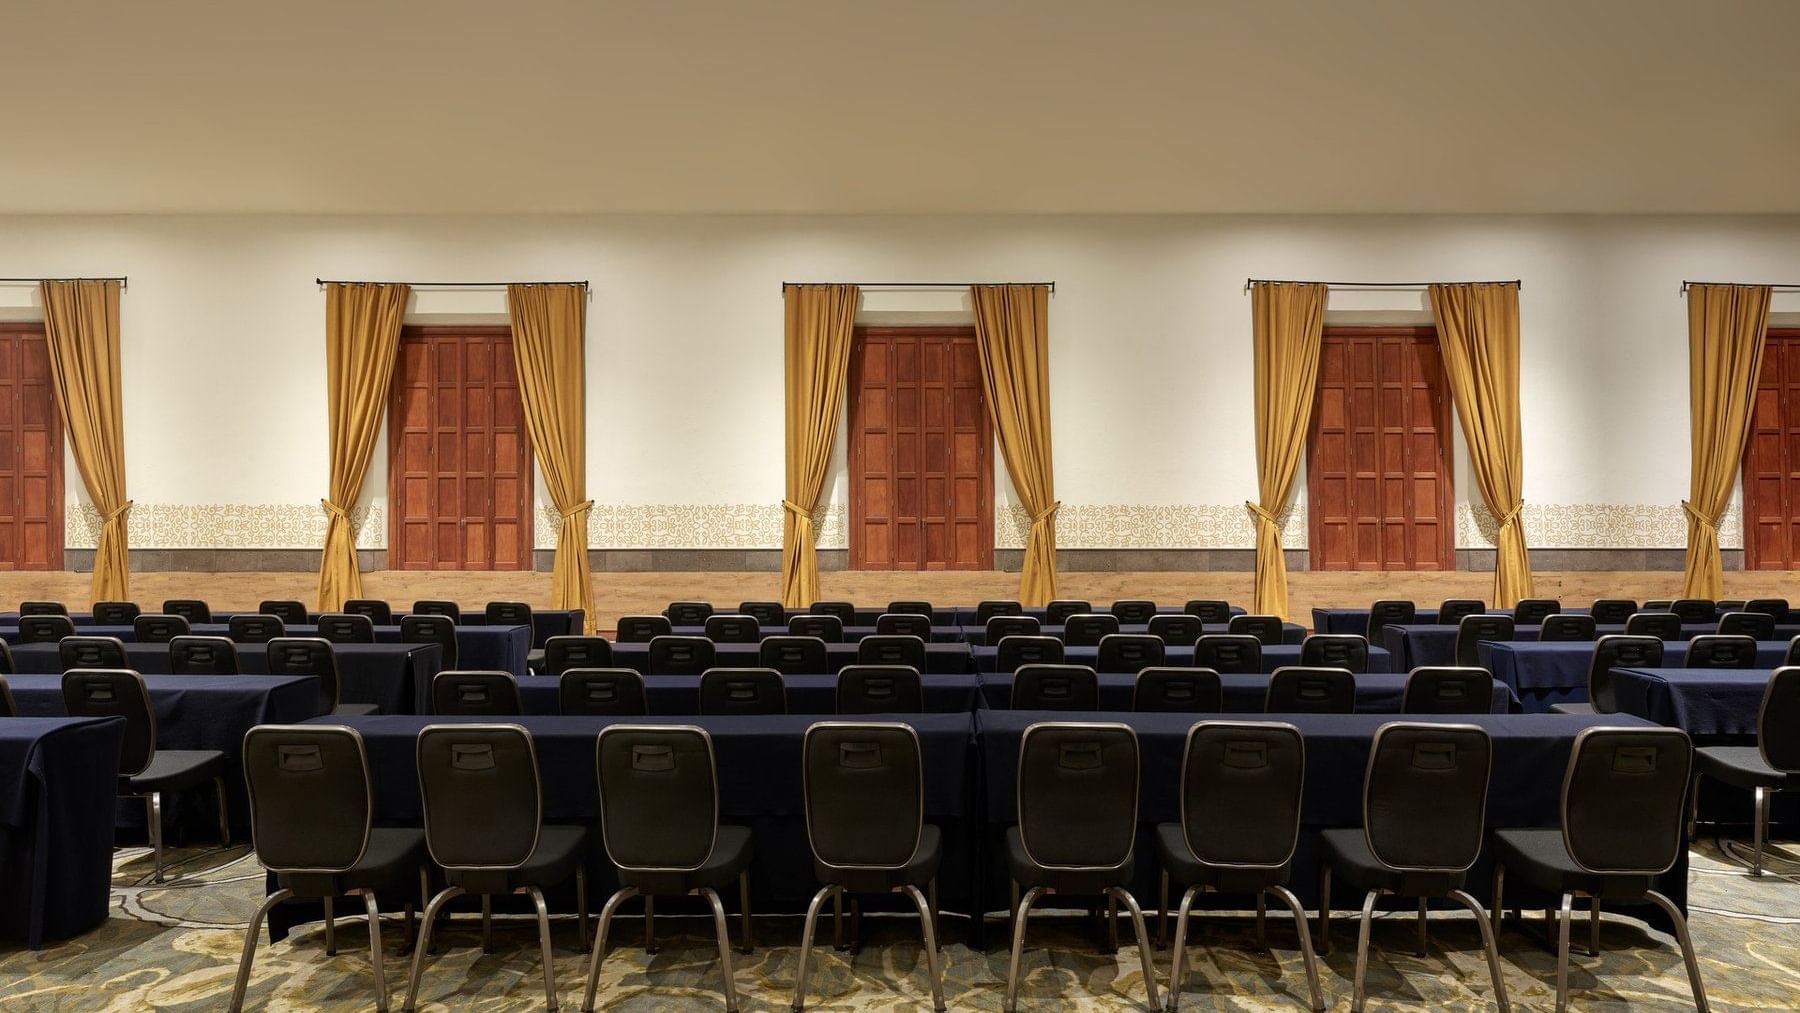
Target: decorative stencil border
(224,525)
(1150,526)
(1595,526)
(691,526)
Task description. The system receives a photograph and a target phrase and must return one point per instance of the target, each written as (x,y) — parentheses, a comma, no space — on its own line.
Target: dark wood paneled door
(1772,459)
(31,453)
(459,456)
(1378,472)
(921,458)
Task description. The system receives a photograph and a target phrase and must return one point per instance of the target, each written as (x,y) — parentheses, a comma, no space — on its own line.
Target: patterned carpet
(175,948)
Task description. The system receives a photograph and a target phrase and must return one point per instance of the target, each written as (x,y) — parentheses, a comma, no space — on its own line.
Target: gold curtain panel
(1012,333)
(819,323)
(1728,327)
(81,325)
(1288,326)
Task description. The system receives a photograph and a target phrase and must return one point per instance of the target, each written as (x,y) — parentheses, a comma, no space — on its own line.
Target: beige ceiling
(901,106)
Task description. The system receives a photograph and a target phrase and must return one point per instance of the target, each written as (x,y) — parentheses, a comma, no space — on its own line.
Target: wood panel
(31,453)
(459,458)
(922,476)
(1378,476)
(1772,459)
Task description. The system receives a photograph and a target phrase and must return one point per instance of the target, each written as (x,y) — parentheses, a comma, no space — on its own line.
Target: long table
(1420,644)
(1717,706)
(57,782)
(1291,633)
(1376,693)
(939,634)
(940,659)
(1273,657)
(1547,674)
(545,623)
(489,647)
(806,694)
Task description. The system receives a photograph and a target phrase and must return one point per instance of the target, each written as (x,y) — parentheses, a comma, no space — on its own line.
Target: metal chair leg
(806,942)
(731,1003)
(1324,910)
(1564,915)
(931,895)
(448,894)
(487,924)
(931,951)
(748,939)
(330,927)
(599,955)
(1687,949)
(250,934)
(1145,954)
(1162,911)
(1179,946)
(381,995)
(224,813)
(581,912)
(837,923)
(1362,953)
(1499,897)
(156,834)
(1593,926)
(424,901)
(1262,918)
(1759,830)
(1018,944)
(1487,940)
(1306,949)
(650,924)
(1424,943)
(543,918)
(1112,924)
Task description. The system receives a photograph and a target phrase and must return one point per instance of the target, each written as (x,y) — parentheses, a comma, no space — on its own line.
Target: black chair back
(1475,629)
(115,613)
(733,629)
(1452,610)
(904,624)
(1208,610)
(643,629)
(1658,605)
(1303,689)
(439,630)
(1661,625)
(792,655)
(1085,630)
(1336,650)
(688,613)
(1612,611)
(1057,613)
(1078,792)
(675,655)
(1229,653)
(1715,651)
(1267,629)
(115,693)
(477,694)
(1533,611)
(344,628)
(1777,607)
(998,628)
(571,650)
(985,610)
(507,613)
(45,629)
(1055,688)
(602,692)
(192,609)
(659,796)
(1390,612)
(828,628)
(1425,795)
(1448,690)
(1177,630)
(314,656)
(1618,651)
(290,612)
(1624,799)
(865,794)
(1695,610)
(1178,691)
(482,796)
(255,629)
(6,659)
(1778,722)
(1129,652)
(438,607)
(191,655)
(379,612)
(151,629)
(879,689)
(1241,783)
(1755,625)
(766,613)
(1016,650)
(43,608)
(913,608)
(843,610)
(1133,610)
(9,708)
(92,652)
(1566,627)
(891,649)
(311,797)
(742,691)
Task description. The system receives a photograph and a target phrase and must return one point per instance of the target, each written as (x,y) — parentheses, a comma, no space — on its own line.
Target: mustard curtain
(1288,323)
(1478,333)
(1727,330)
(362,339)
(820,320)
(549,324)
(81,328)
(1012,335)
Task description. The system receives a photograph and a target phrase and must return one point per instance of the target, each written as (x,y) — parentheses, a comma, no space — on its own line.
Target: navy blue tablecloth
(939,634)
(1356,620)
(1547,674)
(1376,693)
(1273,657)
(57,781)
(806,694)
(940,659)
(964,615)
(1417,645)
(1715,706)
(1291,633)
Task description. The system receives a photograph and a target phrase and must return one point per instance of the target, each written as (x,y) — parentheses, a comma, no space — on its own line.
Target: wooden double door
(31,453)
(1772,459)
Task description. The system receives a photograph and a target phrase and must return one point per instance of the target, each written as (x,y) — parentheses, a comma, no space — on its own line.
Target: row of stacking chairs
(1081,629)
(290,611)
(1605,611)
(1733,646)
(773,613)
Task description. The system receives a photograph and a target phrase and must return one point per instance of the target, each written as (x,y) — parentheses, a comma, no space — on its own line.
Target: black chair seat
(1572,708)
(356,710)
(1540,858)
(1080,882)
(1348,853)
(174,769)
(920,870)
(1185,870)
(1742,766)
(392,858)
(560,849)
(730,857)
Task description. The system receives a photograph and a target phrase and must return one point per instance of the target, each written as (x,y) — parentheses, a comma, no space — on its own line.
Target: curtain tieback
(1047,513)
(1256,509)
(335,511)
(1697,515)
(796,509)
(1512,515)
(120,511)
(584,505)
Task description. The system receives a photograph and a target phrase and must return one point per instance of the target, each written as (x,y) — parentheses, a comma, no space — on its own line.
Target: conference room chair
(1621,827)
(6,658)
(989,608)
(688,613)
(1177,691)
(674,655)
(153,629)
(1177,630)
(438,607)
(602,692)
(439,630)
(312,828)
(483,803)
(1610,652)
(574,650)
(1208,610)
(1133,610)
(1390,612)
(344,628)
(1058,612)
(1267,629)
(1336,650)
(766,613)
(1772,765)
(476,694)
(1085,630)
(115,613)
(1452,610)
(1612,611)
(659,823)
(191,655)
(742,691)
(913,608)
(1447,689)
(9,708)
(1731,604)
(1424,822)
(1229,653)
(1566,627)
(1792,658)
(315,656)
(1472,630)
(843,610)
(1030,650)
(1658,605)
(865,821)
(192,609)
(144,770)
(91,652)
(292,613)
(1129,652)
(1661,625)
(1715,651)
(791,655)
(1695,610)
(643,629)
(1077,804)
(254,629)
(1755,625)
(1533,611)
(44,629)
(1307,689)
(904,624)
(828,628)
(507,613)
(1777,607)
(43,608)
(1055,688)
(379,612)
(733,629)
(997,628)
(1241,785)
(891,649)
(879,689)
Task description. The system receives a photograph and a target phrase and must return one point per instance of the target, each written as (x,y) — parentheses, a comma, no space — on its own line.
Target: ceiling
(1388,106)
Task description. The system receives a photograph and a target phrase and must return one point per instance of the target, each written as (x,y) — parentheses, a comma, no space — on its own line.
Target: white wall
(1150,349)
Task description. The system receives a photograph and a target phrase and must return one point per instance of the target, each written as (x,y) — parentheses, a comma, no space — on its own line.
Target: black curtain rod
(322,282)
(1374,284)
(123,283)
(1741,284)
(917,284)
